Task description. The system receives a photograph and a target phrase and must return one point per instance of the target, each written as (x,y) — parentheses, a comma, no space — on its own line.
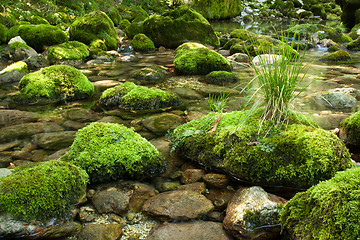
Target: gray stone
(266,60)
(111,200)
(10,117)
(54,140)
(239,57)
(197,230)
(16,39)
(159,124)
(336,100)
(22,53)
(101,232)
(254,214)
(11,77)
(178,205)
(36,62)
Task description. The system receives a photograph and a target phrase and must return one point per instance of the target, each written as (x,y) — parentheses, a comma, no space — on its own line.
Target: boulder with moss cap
(55,83)
(130,96)
(339,55)
(297,156)
(351,128)
(113,151)
(196,59)
(93,26)
(72,50)
(142,43)
(218,9)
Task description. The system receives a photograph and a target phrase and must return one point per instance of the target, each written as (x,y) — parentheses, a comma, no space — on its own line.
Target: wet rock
(167,186)
(178,205)
(80,115)
(27,129)
(5,159)
(336,100)
(101,232)
(104,84)
(54,141)
(111,200)
(140,193)
(192,175)
(88,214)
(254,214)
(220,197)
(216,180)
(339,55)
(198,187)
(138,226)
(199,230)
(351,91)
(7,146)
(159,124)
(187,93)
(239,57)
(9,117)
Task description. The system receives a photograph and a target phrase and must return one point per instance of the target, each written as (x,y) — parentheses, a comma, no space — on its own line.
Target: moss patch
(327,210)
(58,82)
(42,191)
(218,9)
(142,43)
(113,151)
(339,55)
(354,45)
(19,66)
(351,126)
(221,77)
(72,50)
(16,45)
(3,33)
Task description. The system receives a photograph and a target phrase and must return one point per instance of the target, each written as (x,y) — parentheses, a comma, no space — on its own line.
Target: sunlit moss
(71,50)
(142,43)
(351,126)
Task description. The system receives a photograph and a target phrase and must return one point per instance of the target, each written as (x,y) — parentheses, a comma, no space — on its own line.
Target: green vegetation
(142,43)
(354,45)
(38,20)
(129,96)
(124,24)
(351,126)
(115,16)
(42,191)
(3,33)
(19,66)
(113,151)
(39,36)
(193,59)
(153,73)
(339,55)
(71,50)
(326,211)
(57,82)
(16,45)
(218,9)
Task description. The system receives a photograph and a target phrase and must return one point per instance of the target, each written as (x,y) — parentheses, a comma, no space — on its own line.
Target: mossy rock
(124,24)
(354,45)
(297,156)
(133,29)
(57,82)
(354,32)
(20,66)
(178,26)
(93,26)
(305,31)
(39,36)
(142,43)
(218,9)
(242,34)
(42,191)
(337,56)
(16,45)
(130,96)
(231,42)
(150,74)
(72,50)
(318,10)
(351,127)
(199,60)
(36,20)
(98,48)
(115,16)
(58,18)
(221,77)
(113,151)
(3,33)
(327,210)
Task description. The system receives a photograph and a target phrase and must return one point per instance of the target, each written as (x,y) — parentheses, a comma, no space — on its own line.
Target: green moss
(71,50)
(133,29)
(297,156)
(221,77)
(242,34)
(142,43)
(38,20)
(351,126)
(3,33)
(218,9)
(345,38)
(231,42)
(326,211)
(42,191)
(19,66)
(154,73)
(115,16)
(307,30)
(58,82)
(93,26)
(129,96)
(39,36)
(354,45)
(199,60)
(16,45)
(124,24)
(8,19)
(339,55)
(113,151)
(98,48)
(318,10)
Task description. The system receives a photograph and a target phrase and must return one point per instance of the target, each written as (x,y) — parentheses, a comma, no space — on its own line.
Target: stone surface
(22,53)
(111,200)
(54,140)
(336,100)
(254,214)
(216,180)
(198,187)
(11,77)
(10,117)
(220,197)
(81,115)
(101,232)
(159,124)
(178,205)
(192,175)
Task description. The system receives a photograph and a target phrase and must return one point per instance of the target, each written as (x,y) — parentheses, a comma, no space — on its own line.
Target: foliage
(3,33)
(218,9)
(113,151)
(327,210)
(42,191)
(71,50)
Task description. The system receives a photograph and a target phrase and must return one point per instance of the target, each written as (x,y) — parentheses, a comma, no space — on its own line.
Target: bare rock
(54,140)
(12,117)
(216,180)
(192,175)
(111,200)
(101,232)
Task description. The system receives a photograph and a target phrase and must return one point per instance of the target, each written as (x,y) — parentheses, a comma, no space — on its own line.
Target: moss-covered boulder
(327,210)
(221,77)
(298,156)
(349,8)
(8,19)
(93,26)
(124,24)
(178,26)
(142,43)
(130,96)
(20,66)
(150,74)
(354,45)
(196,59)
(57,82)
(98,48)
(3,33)
(72,50)
(339,55)
(42,191)
(218,9)
(39,36)
(38,20)
(114,15)
(351,128)
(113,151)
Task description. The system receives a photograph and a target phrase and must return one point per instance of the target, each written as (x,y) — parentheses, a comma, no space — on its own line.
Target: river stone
(336,100)
(36,62)
(198,187)
(10,145)
(11,77)
(94,231)
(220,197)
(178,205)
(192,175)
(111,200)
(54,140)
(239,57)
(159,124)
(16,39)
(197,230)
(216,180)
(27,130)
(81,115)
(267,60)
(5,159)
(88,214)
(22,53)
(187,93)
(9,117)
(254,214)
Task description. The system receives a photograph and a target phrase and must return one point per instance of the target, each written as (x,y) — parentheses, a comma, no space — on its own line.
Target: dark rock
(159,124)
(54,141)
(192,175)
(198,187)
(58,154)
(9,117)
(80,115)
(11,77)
(22,53)
(37,62)
(220,197)
(111,200)
(178,205)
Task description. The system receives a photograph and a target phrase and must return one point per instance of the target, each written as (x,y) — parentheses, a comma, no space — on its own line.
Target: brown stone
(111,200)
(198,187)
(101,232)
(192,175)
(216,180)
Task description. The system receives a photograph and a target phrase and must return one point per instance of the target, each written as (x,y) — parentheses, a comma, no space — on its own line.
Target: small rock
(192,175)
(216,180)
(11,77)
(9,117)
(101,232)
(54,141)
(159,124)
(88,214)
(198,187)
(336,100)
(111,200)
(81,115)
